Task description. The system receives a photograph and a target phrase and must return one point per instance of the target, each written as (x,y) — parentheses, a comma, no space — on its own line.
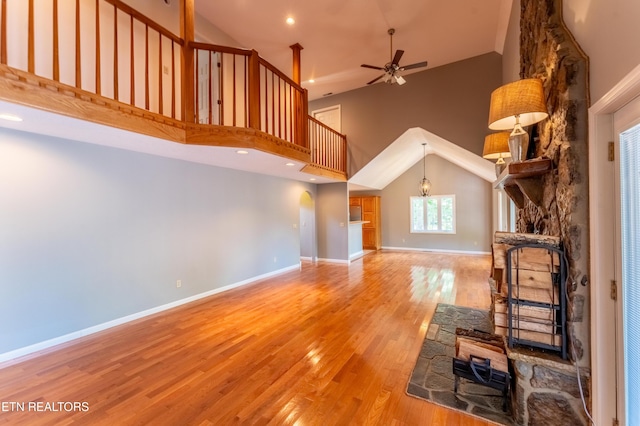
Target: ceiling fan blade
(396,58)
(371,66)
(376,79)
(412,66)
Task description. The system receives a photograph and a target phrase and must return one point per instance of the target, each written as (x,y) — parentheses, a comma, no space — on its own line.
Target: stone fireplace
(546,390)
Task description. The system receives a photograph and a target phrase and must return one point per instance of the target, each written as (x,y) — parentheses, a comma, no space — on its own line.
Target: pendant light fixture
(425,184)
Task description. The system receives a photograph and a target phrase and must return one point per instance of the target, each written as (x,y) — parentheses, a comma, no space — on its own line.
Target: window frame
(439,199)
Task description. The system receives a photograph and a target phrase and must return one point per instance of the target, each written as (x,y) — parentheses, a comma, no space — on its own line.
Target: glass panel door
(630,257)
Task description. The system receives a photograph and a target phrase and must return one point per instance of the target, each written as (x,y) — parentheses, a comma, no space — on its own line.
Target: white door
(627,190)
(208,87)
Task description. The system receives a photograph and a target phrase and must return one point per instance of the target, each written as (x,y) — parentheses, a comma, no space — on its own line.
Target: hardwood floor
(330,345)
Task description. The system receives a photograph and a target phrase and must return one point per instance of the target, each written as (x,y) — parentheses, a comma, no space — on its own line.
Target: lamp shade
(521,100)
(496,145)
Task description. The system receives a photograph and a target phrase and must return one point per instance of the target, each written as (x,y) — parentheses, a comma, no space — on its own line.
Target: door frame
(602,211)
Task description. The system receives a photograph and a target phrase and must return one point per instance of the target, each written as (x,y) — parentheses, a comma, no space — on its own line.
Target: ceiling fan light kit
(392,68)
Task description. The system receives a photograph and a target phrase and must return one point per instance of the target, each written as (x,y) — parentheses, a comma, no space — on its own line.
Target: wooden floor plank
(329,344)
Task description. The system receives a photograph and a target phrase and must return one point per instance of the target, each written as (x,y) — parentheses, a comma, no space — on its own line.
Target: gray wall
(451,101)
(89,234)
(308,246)
(473,201)
(511,51)
(332,221)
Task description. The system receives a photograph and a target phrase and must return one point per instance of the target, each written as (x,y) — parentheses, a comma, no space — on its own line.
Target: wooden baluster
(221,89)
(132,93)
(31,67)
(280,114)
(78,54)
(344,154)
(273,104)
(246,91)
(56,49)
(304,122)
(266,100)
(235,95)
(160,96)
(254,91)
(210,87)
(196,53)
(333,151)
(317,142)
(173,80)
(327,142)
(115,53)
(98,66)
(146,67)
(292,120)
(3,34)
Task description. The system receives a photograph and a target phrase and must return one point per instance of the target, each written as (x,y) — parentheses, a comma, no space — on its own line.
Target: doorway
(609,287)
(627,189)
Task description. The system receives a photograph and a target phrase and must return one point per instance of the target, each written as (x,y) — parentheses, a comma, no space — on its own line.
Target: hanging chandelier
(425,184)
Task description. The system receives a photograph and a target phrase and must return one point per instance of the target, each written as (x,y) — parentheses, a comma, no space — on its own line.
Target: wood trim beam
(25,89)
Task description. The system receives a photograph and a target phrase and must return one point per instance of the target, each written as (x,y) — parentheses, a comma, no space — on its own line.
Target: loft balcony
(104,62)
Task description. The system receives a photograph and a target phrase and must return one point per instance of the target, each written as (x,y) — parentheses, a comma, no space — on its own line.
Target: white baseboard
(357,255)
(436,250)
(341,261)
(27,350)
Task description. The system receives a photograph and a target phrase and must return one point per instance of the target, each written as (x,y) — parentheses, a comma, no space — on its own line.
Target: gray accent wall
(473,201)
(451,101)
(90,234)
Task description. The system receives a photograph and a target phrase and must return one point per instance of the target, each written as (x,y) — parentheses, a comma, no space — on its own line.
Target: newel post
(187,33)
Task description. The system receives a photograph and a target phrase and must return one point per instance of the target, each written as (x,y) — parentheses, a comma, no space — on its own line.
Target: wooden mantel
(523,179)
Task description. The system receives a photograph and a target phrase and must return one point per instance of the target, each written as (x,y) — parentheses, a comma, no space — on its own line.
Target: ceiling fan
(392,68)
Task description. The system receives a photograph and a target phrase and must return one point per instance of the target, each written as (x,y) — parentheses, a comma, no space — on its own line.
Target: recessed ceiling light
(311,80)
(290,20)
(10,117)
(242,152)
(312,179)
(290,164)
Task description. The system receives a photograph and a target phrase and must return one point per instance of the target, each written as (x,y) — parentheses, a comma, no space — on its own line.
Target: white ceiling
(340,35)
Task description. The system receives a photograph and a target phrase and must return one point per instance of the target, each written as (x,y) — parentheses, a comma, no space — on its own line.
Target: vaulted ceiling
(340,35)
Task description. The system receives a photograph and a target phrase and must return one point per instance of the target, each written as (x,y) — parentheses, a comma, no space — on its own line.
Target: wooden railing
(104,47)
(107,48)
(221,77)
(328,147)
(235,87)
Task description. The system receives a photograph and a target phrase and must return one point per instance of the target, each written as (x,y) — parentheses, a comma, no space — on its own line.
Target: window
(435,214)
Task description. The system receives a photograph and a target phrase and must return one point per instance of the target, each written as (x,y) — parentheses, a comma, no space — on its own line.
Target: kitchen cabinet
(371,229)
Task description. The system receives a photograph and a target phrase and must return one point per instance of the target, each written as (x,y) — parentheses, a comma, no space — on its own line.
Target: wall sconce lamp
(496,145)
(515,105)
(425,184)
